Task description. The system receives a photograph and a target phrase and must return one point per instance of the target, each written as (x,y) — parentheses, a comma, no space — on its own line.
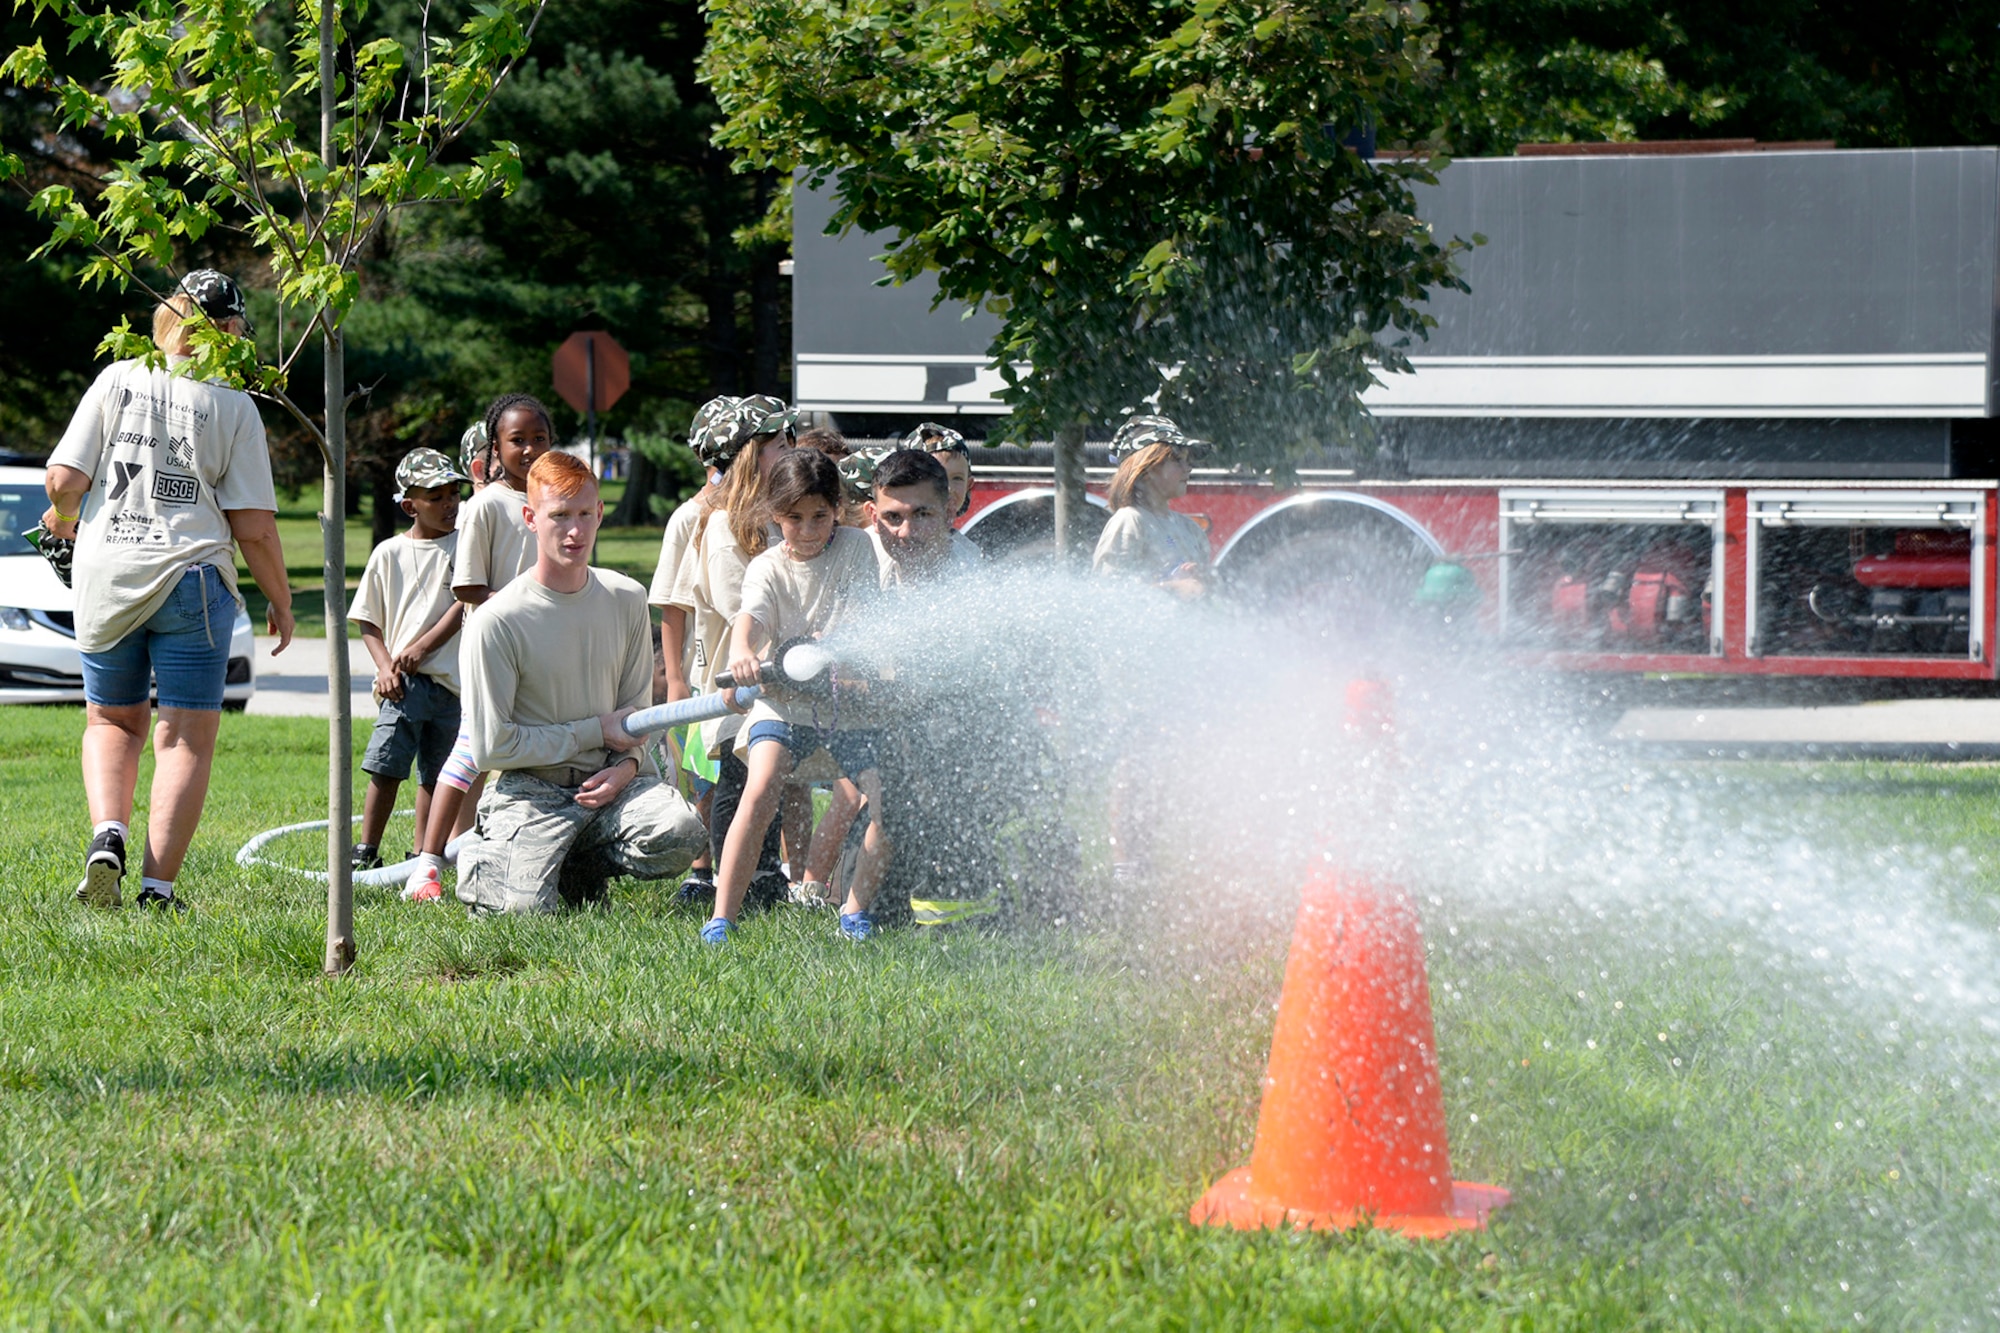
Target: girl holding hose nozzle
(805,586)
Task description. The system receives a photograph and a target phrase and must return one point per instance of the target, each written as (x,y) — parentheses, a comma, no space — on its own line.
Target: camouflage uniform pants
(535,849)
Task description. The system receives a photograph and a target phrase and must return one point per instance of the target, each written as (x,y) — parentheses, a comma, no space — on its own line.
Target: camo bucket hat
(472,445)
(1138,432)
(426,467)
(857,471)
(708,434)
(931,438)
(217,294)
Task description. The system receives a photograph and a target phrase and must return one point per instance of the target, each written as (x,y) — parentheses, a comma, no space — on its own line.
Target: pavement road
(293,683)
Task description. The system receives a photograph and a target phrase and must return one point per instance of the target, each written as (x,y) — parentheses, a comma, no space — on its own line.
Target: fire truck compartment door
(1594,507)
(1524,509)
(1771,512)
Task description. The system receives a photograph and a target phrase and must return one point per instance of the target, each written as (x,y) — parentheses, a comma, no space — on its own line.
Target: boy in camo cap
(857,484)
(475,447)
(409,622)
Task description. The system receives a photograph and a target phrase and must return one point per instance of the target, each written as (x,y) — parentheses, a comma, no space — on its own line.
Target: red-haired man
(552,664)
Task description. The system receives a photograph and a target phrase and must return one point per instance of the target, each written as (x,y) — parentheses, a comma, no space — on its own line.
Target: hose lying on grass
(251,853)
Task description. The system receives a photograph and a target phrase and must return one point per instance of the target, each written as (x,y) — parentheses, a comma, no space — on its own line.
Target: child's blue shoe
(717,930)
(856,925)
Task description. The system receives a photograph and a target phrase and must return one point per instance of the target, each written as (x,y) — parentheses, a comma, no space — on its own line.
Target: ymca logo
(172,490)
(123,475)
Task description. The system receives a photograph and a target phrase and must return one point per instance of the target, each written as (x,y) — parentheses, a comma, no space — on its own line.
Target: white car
(39,663)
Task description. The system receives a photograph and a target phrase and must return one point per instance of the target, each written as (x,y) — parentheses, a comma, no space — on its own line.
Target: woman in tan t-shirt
(1145,539)
(158,476)
(1147,542)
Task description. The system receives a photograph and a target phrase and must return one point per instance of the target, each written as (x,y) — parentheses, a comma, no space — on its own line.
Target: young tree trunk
(333,542)
(1069,494)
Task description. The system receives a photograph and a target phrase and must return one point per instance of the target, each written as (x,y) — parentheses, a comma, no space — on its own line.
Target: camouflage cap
(931,438)
(857,471)
(471,445)
(426,467)
(746,419)
(1138,432)
(217,294)
(709,432)
(761,414)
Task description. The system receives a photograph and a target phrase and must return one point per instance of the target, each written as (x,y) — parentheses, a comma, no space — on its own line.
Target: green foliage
(1152,199)
(45,344)
(204,101)
(622,221)
(1864,75)
(680,472)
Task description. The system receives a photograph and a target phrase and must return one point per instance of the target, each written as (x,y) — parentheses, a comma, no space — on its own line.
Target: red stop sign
(591,370)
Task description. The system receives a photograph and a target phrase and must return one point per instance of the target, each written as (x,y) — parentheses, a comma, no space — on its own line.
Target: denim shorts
(853,751)
(184,648)
(422,725)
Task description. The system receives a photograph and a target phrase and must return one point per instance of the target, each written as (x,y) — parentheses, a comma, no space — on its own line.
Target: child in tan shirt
(409,624)
(804,587)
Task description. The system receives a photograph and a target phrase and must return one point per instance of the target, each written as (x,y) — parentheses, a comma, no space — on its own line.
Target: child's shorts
(854,751)
(421,725)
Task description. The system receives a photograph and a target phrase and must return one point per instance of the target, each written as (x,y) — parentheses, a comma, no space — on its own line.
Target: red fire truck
(1721,413)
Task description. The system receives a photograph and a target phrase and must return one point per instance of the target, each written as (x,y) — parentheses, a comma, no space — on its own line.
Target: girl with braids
(494,543)
(495,546)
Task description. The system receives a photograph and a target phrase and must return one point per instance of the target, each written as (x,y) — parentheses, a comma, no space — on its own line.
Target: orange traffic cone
(1352,1126)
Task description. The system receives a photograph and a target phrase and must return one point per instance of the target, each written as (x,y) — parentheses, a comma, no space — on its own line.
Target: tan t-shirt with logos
(404,590)
(168,456)
(540,666)
(495,543)
(674,543)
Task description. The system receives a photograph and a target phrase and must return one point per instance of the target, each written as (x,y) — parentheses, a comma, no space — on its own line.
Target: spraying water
(1817,1011)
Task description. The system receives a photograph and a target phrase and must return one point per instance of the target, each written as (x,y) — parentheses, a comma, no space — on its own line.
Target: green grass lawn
(591,1122)
(634,551)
